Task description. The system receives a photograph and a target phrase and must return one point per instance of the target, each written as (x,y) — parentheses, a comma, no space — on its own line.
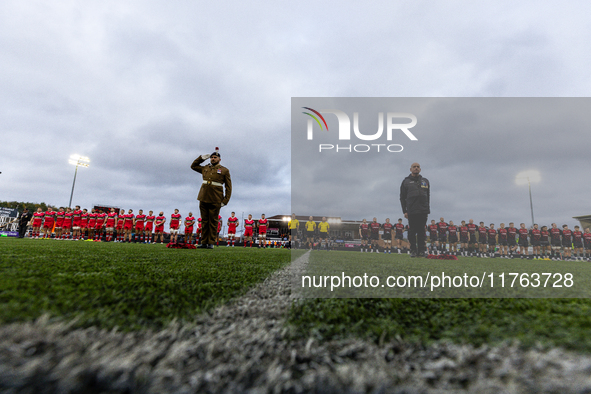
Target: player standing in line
(387,236)
(59,222)
(523,244)
(323,228)
(442,235)
(310,227)
(37,221)
(219,229)
(587,239)
(110,224)
(452,230)
(433,235)
(545,242)
(139,225)
(48,222)
(294,226)
(555,241)
(91,224)
(175,222)
(492,240)
(364,234)
(482,240)
(472,231)
(399,229)
(119,225)
(149,227)
(578,243)
(100,224)
(502,237)
(512,239)
(262,226)
(567,242)
(535,236)
(198,232)
(189,224)
(248,227)
(76,223)
(232,225)
(159,227)
(128,225)
(464,238)
(84,224)
(67,225)
(374,235)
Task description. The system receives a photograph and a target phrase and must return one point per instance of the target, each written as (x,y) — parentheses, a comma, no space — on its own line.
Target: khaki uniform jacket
(211,193)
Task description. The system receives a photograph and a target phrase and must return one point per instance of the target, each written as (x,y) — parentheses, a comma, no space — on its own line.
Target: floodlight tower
(529,176)
(81,161)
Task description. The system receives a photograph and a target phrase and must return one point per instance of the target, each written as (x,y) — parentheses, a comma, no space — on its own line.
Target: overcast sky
(144,87)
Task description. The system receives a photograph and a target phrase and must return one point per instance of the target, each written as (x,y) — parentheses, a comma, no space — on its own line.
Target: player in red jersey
(433,236)
(248,226)
(198,232)
(452,231)
(442,235)
(119,223)
(364,234)
(387,235)
(149,227)
(110,224)
(91,224)
(84,224)
(101,217)
(138,224)
(502,237)
(76,222)
(262,226)
(36,222)
(189,224)
(175,222)
(128,225)
(464,238)
(567,243)
(48,222)
(399,229)
(218,230)
(159,227)
(374,235)
(59,222)
(578,243)
(232,225)
(67,223)
(587,240)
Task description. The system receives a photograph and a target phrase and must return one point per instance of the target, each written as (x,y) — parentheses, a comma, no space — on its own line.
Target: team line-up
(79,224)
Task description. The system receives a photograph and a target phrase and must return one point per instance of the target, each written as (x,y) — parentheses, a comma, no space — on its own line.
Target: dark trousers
(22,230)
(209,222)
(416,232)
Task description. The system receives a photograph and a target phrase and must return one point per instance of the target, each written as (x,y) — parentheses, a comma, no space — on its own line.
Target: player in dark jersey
(555,241)
(512,239)
(433,233)
(545,242)
(364,234)
(387,235)
(567,242)
(578,243)
(587,240)
(374,235)
(452,231)
(464,238)
(535,236)
(442,235)
(482,240)
(492,240)
(523,243)
(399,229)
(502,240)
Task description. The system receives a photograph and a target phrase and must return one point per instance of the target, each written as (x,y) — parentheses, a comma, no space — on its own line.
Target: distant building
(585,221)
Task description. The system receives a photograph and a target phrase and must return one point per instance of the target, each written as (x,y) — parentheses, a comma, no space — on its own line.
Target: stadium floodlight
(528,177)
(81,161)
(286,218)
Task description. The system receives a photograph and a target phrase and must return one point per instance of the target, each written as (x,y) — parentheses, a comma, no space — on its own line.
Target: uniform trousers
(416,232)
(209,222)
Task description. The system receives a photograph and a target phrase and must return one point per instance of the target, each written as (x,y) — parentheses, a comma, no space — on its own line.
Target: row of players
(80,224)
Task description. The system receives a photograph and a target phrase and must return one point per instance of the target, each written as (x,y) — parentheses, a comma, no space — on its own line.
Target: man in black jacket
(415,195)
(22,223)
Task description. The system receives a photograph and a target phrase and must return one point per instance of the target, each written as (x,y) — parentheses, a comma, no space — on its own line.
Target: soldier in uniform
(211,195)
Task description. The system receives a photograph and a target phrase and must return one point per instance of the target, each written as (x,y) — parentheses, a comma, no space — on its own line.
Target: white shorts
(110,228)
(174,231)
(76,228)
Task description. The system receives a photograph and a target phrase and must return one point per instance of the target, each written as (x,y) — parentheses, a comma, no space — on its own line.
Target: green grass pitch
(131,286)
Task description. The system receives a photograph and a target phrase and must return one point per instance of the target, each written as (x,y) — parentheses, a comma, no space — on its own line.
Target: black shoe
(421,254)
(204,246)
(209,246)
(413,254)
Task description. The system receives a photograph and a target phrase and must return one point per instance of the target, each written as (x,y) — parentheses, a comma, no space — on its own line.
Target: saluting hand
(205,157)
